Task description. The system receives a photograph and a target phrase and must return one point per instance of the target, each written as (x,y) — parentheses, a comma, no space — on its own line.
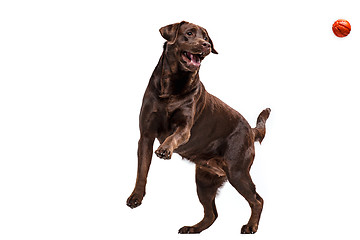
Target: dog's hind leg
(239,178)
(207,184)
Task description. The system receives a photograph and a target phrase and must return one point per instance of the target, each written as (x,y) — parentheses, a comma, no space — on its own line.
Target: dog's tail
(260,130)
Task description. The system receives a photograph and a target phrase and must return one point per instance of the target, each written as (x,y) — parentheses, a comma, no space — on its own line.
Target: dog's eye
(205,38)
(189,33)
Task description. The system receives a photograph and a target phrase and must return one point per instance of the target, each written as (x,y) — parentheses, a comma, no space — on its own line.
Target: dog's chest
(169,116)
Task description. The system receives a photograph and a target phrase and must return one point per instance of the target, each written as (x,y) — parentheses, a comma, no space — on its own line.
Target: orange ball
(341,28)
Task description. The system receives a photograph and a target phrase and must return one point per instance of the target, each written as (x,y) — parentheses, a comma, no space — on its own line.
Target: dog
(186,119)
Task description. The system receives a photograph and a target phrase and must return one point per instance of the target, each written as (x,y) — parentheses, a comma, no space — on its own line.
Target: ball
(341,28)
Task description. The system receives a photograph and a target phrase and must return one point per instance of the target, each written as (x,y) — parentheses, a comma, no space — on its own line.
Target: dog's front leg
(145,150)
(179,137)
(183,120)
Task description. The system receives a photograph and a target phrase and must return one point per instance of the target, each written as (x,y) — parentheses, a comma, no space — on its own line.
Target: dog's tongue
(195,60)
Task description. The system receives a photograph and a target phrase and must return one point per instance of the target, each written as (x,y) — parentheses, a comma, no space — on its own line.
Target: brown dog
(186,119)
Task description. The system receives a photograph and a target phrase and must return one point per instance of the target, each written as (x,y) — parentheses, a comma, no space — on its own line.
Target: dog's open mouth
(192,59)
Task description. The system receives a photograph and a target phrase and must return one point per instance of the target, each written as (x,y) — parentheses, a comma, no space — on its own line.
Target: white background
(72,76)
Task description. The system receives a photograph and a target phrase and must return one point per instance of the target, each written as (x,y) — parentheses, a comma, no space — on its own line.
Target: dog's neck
(173,80)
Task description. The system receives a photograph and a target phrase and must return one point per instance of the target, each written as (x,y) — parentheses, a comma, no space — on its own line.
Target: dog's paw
(188,230)
(163,152)
(249,229)
(134,200)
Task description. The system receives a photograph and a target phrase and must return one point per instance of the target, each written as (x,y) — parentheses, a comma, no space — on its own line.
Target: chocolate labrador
(186,119)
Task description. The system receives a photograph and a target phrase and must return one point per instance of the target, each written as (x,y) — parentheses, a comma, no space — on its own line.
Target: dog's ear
(212,46)
(211,43)
(170,32)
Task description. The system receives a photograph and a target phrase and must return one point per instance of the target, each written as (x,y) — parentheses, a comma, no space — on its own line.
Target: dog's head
(188,43)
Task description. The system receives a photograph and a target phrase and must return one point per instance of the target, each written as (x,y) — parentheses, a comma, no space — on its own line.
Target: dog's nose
(206,45)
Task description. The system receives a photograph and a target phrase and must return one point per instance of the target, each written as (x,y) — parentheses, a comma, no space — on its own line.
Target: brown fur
(186,119)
